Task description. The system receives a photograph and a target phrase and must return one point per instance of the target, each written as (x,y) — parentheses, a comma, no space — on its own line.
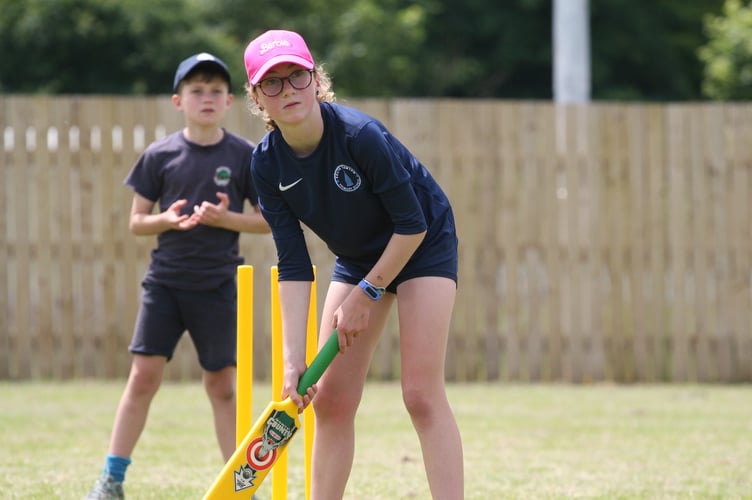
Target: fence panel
(597,242)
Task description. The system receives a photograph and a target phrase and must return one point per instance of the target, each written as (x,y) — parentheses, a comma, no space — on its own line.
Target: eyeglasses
(299,80)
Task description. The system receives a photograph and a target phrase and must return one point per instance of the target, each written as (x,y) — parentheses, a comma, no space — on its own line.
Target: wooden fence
(601,242)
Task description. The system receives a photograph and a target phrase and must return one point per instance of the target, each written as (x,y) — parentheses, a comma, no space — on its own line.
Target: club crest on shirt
(346,178)
(222,176)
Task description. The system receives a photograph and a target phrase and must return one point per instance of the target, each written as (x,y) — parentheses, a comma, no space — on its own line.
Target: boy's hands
(212,214)
(143,222)
(177,221)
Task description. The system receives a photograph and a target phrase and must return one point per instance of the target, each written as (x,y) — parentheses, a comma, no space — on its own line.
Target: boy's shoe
(106,488)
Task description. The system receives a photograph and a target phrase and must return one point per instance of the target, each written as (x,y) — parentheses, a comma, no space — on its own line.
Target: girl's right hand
(290,389)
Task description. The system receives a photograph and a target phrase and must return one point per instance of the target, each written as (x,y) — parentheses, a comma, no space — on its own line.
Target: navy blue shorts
(209,316)
(441,263)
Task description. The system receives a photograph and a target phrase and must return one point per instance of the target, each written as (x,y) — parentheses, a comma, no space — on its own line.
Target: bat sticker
(244,477)
(262,451)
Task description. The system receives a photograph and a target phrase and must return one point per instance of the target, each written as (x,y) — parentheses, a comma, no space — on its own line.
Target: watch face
(370,290)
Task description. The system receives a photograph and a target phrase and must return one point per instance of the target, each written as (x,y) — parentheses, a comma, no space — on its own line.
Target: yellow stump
(279,473)
(309,419)
(244,374)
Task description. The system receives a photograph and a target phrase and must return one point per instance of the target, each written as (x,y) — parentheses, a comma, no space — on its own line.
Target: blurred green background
(641,50)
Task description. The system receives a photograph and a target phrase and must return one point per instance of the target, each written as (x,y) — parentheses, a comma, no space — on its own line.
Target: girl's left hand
(351,317)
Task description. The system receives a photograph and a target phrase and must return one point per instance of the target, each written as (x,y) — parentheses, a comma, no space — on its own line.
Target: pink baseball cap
(272,48)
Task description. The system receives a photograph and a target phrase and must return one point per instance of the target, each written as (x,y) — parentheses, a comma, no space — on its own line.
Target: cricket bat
(269,436)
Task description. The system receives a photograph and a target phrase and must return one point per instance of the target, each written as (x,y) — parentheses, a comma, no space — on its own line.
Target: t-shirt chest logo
(222,176)
(346,178)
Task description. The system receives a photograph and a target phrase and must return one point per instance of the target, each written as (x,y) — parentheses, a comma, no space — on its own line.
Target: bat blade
(255,456)
(257,453)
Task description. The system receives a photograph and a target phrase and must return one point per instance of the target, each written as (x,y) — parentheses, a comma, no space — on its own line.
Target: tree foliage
(641,49)
(728,53)
(648,52)
(97,46)
(368,46)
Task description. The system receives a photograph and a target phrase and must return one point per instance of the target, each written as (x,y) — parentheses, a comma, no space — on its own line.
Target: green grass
(521,441)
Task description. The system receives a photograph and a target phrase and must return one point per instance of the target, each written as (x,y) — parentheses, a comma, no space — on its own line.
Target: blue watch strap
(373,292)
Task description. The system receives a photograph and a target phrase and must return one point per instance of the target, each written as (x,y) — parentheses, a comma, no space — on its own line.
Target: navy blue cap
(189,64)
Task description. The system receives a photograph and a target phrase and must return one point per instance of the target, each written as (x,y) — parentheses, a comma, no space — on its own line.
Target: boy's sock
(115,466)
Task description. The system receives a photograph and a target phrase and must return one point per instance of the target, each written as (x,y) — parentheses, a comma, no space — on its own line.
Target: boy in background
(200,177)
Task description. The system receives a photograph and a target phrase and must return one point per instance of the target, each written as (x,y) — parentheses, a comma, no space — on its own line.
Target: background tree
(98,46)
(369,46)
(487,49)
(648,52)
(641,49)
(728,53)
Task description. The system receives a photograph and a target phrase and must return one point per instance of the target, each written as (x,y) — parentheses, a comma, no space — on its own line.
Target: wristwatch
(373,292)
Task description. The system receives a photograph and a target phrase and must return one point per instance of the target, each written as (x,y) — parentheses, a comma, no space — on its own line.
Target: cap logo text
(267,46)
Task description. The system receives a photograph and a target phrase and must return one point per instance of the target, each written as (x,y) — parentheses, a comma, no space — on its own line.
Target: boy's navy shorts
(209,316)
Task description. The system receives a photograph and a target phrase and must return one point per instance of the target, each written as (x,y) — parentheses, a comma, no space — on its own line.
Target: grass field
(521,441)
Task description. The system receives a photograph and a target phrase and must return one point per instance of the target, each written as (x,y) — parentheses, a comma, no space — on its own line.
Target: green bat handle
(319,364)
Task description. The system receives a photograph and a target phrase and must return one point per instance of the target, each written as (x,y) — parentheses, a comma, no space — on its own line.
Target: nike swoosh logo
(285,188)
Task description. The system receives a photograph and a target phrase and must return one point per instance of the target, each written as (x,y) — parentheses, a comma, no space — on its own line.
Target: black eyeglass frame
(288,79)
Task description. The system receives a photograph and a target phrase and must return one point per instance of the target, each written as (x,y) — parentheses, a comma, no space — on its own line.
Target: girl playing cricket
(347,178)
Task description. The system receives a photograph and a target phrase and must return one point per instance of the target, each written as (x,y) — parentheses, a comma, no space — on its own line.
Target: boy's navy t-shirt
(359,186)
(174,168)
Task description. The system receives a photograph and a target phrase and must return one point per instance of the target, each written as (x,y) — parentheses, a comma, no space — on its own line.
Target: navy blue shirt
(358,188)
(174,168)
